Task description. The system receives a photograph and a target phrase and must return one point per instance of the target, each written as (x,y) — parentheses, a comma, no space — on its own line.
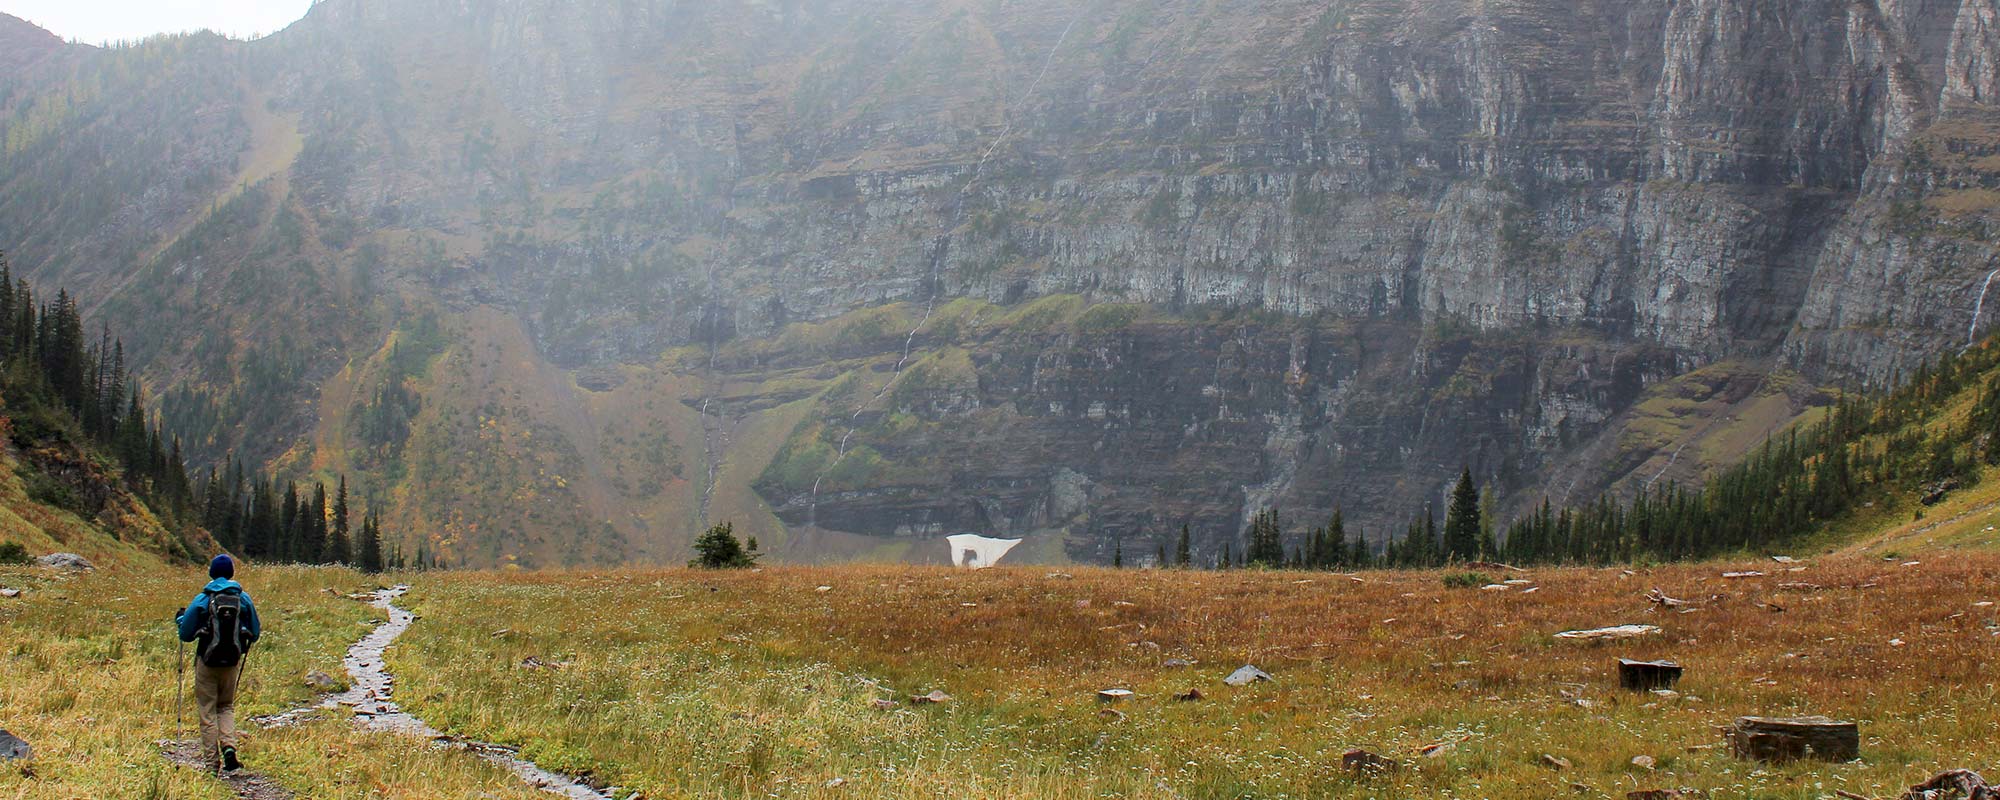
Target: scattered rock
(321,682)
(1494,587)
(1746,574)
(1519,582)
(1176,662)
(1362,762)
(1111,715)
(12,748)
(502,632)
(823,589)
(68,561)
(1611,633)
(10,593)
(1189,696)
(1114,695)
(1246,675)
(1555,762)
(835,783)
(1958,783)
(935,697)
(883,705)
(1641,676)
(1791,739)
(1785,559)
(1645,762)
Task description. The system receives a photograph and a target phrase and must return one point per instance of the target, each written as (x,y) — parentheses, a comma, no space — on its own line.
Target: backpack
(221,644)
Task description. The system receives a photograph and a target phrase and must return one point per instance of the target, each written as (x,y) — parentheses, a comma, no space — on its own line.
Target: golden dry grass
(87,677)
(703,684)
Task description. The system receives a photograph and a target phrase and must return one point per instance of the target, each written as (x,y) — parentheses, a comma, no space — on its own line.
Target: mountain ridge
(1361,252)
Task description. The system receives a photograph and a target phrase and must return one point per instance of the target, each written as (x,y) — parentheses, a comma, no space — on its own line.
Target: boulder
(321,682)
(12,748)
(68,561)
(1645,676)
(1794,738)
(1246,675)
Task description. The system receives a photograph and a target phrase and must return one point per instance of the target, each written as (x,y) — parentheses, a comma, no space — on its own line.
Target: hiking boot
(229,762)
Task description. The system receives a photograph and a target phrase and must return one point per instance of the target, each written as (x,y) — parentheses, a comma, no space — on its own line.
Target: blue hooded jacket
(196,615)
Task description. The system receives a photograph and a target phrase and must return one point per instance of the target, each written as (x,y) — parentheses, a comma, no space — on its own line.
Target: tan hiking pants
(215,701)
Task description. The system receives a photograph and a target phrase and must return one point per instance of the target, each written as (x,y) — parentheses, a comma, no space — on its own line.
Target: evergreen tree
(718,548)
(340,546)
(1336,542)
(289,539)
(1267,543)
(315,527)
(1462,521)
(370,546)
(1184,551)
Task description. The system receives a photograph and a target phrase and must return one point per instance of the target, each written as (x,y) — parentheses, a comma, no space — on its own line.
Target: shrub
(13,553)
(718,548)
(1466,580)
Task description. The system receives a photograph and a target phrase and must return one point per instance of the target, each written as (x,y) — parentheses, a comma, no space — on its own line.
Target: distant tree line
(1859,451)
(64,386)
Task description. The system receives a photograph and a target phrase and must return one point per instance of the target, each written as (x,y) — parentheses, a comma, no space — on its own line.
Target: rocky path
(247,785)
(372,696)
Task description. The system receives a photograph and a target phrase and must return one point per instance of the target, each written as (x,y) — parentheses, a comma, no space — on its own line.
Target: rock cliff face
(857,275)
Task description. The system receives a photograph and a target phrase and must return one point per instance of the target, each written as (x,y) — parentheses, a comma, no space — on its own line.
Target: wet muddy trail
(372,696)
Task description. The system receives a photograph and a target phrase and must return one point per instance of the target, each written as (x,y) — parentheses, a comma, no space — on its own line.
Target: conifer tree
(340,547)
(370,546)
(1461,521)
(1184,551)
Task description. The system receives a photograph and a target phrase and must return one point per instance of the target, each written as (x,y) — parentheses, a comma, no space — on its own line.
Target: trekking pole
(180,687)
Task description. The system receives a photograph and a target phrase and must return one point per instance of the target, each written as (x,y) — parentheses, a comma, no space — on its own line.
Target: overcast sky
(98,21)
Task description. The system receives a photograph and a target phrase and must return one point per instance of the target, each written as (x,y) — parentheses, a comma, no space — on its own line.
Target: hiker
(223,624)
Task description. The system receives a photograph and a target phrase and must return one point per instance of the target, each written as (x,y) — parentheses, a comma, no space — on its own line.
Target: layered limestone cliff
(860,274)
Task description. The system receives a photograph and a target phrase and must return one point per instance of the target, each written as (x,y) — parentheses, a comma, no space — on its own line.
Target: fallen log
(1790,739)
(1614,632)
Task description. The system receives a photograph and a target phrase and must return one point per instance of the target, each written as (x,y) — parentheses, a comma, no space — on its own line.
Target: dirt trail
(247,785)
(372,698)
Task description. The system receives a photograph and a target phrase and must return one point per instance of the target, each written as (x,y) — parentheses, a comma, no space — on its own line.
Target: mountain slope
(1079,272)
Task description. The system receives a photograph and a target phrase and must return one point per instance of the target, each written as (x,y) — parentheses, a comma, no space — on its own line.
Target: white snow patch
(972,551)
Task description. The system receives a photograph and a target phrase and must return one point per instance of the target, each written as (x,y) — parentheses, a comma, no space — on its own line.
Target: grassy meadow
(87,678)
(684,684)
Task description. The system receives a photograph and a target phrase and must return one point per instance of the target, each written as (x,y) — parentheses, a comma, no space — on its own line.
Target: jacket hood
(222,584)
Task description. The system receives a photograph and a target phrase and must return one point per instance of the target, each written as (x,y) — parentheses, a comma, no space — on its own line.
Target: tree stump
(1645,676)
(1780,740)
